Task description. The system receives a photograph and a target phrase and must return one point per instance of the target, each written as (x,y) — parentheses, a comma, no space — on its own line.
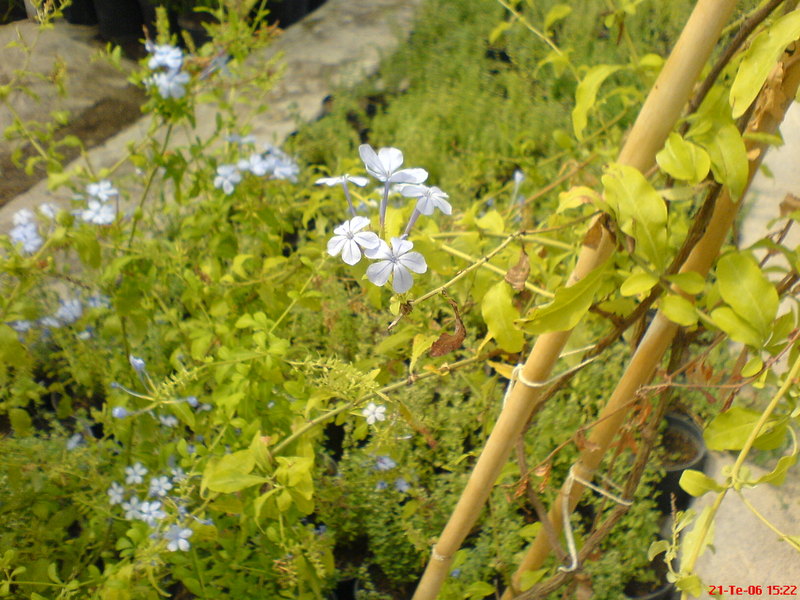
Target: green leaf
(20,422)
(730,430)
(555,14)
(657,548)
(759,59)
(745,288)
(421,344)
(479,590)
(640,210)
(498,31)
(638,283)
(735,327)
(500,315)
(231,473)
(777,476)
(696,541)
(568,307)
(678,310)
(752,367)
(690,584)
(492,222)
(690,282)
(697,483)
(684,160)
(728,158)
(530,578)
(586,94)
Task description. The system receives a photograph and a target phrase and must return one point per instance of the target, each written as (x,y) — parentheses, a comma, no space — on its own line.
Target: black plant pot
(684,449)
(81,12)
(648,591)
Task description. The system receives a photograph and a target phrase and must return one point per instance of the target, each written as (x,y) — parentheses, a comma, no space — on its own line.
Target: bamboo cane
(658,116)
(661,331)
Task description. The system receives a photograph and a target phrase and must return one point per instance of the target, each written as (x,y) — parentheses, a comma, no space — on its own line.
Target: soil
(679,448)
(93,126)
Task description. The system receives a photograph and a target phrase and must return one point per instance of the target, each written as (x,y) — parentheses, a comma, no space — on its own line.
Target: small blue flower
(132,508)
(27,235)
(135,473)
(98,301)
(256,164)
(227,178)
(21,326)
(119,412)
(159,486)
(178,474)
(170,84)
(116,493)
(401,485)
(374,413)
(99,213)
(69,311)
(380,486)
(178,538)
(74,441)
(137,363)
(151,513)
(102,190)
(164,56)
(168,420)
(192,401)
(384,463)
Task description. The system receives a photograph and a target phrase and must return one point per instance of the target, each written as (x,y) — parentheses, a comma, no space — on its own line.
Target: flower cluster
(273,162)
(395,260)
(70,309)
(152,511)
(167,62)
(101,207)
(26,231)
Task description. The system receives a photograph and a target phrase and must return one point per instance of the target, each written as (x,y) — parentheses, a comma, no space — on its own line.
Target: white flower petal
(414,261)
(379,272)
(391,159)
(335,244)
(413,190)
(359,181)
(367,239)
(443,205)
(400,246)
(425,205)
(351,253)
(380,252)
(402,279)
(358,223)
(329,181)
(371,161)
(409,176)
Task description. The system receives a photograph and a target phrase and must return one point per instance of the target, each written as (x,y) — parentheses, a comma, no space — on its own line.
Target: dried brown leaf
(518,274)
(448,342)
(790,204)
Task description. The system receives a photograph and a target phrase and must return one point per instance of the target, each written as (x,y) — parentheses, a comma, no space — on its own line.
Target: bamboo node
(440,557)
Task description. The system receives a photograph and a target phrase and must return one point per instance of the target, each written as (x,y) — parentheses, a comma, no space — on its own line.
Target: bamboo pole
(657,118)
(661,331)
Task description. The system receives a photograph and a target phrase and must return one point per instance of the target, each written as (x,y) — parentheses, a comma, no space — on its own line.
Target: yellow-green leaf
(586,94)
(690,282)
(684,160)
(555,14)
(759,59)
(638,283)
(696,483)
(500,315)
(730,430)
(735,327)
(728,158)
(678,310)
(746,289)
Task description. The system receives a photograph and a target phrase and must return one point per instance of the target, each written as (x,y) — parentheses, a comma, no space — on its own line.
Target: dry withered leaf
(583,443)
(448,342)
(543,471)
(789,204)
(518,274)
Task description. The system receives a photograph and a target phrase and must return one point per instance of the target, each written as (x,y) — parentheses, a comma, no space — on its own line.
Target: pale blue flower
(384,463)
(342,180)
(159,486)
(241,140)
(256,164)
(135,473)
(151,513)
(168,420)
(381,485)
(178,538)
(119,412)
(48,210)
(74,441)
(396,261)
(374,413)
(116,493)
(178,474)
(170,83)
(21,326)
(99,213)
(349,240)
(429,198)
(98,301)
(282,165)
(401,485)
(164,56)
(27,235)
(385,166)
(227,178)
(137,363)
(23,216)
(192,401)
(132,508)
(69,311)
(102,190)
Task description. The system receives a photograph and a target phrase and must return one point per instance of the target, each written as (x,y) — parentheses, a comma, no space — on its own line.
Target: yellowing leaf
(492,222)
(690,282)
(555,14)
(499,313)
(728,158)
(735,327)
(730,430)
(696,483)
(638,283)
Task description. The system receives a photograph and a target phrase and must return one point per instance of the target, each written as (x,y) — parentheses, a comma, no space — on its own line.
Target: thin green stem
(199,572)
(151,176)
(299,294)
